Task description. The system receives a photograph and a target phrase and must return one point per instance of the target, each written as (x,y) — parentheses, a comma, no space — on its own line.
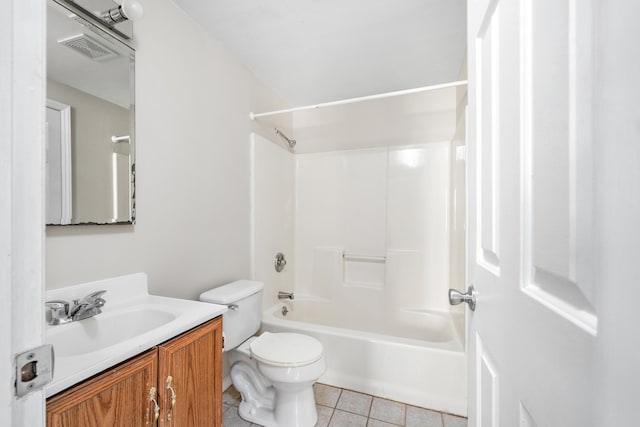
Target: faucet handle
(92,298)
(59,311)
(57,304)
(95,295)
(97,300)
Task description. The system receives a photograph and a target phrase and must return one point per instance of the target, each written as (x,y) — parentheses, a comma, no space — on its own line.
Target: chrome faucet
(89,306)
(285,295)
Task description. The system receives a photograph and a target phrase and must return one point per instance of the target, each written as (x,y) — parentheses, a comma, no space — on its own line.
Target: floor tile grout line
(333,412)
(368,416)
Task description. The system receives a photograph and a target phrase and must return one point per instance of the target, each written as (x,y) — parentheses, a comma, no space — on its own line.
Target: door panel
(487,140)
(489,402)
(556,141)
(525,417)
(193,362)
(117,397)
(58,163)
(531,338)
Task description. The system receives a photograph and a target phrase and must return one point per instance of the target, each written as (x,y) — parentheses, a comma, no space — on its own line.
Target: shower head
(290,142)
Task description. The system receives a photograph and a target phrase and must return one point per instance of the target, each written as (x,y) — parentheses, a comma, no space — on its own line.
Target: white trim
(22,118)
(65,158)
(114,185)
(254,116)
(252,205)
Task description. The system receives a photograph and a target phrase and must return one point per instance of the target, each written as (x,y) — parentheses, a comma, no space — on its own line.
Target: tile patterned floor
(345,408)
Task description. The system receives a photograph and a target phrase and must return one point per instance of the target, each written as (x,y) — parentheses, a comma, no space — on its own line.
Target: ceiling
(313,51)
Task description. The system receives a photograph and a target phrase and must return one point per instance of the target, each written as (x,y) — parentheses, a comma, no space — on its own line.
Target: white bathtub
(412,356)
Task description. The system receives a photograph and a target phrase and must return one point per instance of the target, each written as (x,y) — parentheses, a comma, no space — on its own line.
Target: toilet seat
(286,349)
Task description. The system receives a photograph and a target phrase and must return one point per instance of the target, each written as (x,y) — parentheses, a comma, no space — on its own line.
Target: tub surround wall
(458,204)
(372,226)
(273,182)
(193,173)
(369,225)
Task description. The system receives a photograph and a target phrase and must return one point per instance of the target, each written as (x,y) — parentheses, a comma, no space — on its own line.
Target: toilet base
(259,415)
(296,409)
(290,411)
(284,404)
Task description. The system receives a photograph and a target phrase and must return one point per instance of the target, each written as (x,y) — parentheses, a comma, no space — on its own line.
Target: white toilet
(273,372)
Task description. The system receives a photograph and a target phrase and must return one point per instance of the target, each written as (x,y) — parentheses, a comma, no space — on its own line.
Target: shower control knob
(456,297)
(280,262)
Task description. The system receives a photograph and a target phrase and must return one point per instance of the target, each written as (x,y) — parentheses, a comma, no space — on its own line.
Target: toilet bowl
(273,372)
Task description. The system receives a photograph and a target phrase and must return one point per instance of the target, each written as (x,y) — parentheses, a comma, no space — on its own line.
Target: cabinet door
(116,397)
(190,368)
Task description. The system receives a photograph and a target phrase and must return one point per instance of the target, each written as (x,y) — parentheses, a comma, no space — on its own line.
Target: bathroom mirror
(90,120)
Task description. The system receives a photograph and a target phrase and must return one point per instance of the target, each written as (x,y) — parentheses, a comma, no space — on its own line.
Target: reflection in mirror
(90,123)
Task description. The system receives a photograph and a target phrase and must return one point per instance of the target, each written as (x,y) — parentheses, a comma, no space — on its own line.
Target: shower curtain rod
(254,116)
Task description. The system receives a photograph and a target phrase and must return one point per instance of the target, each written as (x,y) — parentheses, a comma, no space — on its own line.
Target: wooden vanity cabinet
(188,367)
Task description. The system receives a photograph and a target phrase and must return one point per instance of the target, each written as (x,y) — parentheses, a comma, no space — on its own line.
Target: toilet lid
(286,349)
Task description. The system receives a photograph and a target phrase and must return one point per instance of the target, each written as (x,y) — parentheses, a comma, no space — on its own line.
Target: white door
(58,163)
(531,253)
(22,100)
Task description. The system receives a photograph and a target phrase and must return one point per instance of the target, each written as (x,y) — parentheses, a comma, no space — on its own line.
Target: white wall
(192,171)
(617,209)
(411,119)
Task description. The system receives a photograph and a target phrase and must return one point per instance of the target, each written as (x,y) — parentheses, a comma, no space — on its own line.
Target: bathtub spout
(285,295)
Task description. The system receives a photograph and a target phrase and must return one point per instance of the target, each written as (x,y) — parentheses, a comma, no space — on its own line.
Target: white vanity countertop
(131,322)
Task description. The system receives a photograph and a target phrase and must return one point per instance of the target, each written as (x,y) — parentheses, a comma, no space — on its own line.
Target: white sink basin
(106,329)
(131,322)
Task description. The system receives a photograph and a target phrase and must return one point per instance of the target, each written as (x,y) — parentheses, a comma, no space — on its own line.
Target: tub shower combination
(370,243)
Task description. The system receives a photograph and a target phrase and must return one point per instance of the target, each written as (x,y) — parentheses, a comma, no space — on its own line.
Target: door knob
(456,297)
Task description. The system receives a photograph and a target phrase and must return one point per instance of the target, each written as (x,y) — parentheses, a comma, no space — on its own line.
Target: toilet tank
(242,320)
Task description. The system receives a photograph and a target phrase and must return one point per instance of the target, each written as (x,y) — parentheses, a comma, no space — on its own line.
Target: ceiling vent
(89,47)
